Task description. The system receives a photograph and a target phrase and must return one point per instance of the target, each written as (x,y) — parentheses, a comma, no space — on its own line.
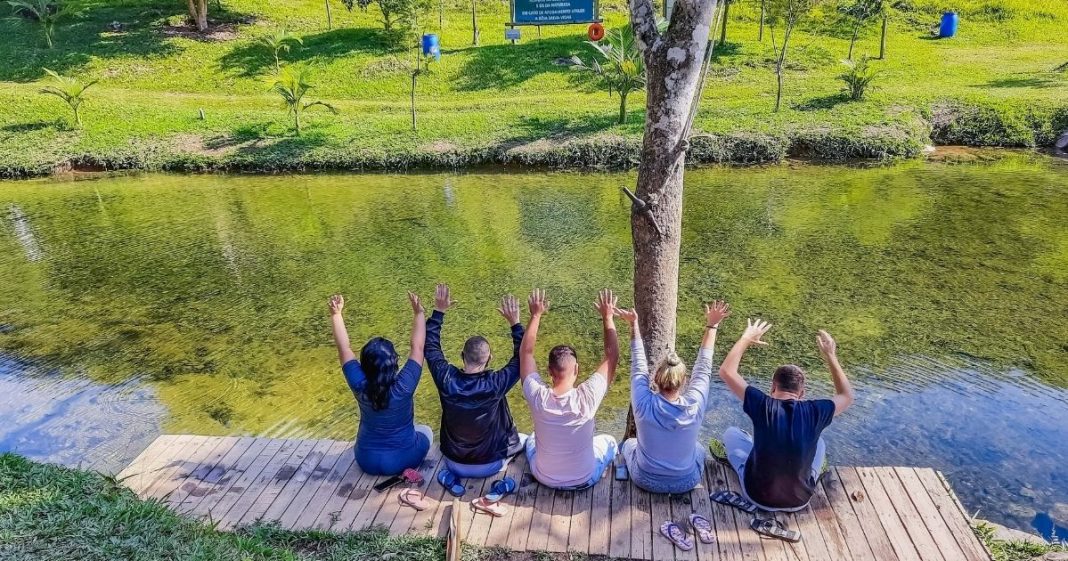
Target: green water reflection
(215,286)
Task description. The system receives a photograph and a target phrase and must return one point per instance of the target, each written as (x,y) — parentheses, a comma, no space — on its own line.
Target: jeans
(478,471)
(393,462)
(739,444)
(659,483)
(604,451)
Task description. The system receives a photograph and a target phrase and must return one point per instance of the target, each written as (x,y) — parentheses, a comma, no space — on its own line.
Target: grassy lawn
(993,84)
(54,513)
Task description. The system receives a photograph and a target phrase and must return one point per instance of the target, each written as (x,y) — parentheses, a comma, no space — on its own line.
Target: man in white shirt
(563,452)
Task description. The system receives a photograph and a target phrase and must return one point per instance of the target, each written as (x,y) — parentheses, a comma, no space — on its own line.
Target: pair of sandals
(491,503)
(767,527)
(413,496)
(702,528)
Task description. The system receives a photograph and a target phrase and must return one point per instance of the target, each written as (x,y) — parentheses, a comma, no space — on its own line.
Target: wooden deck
(891,513)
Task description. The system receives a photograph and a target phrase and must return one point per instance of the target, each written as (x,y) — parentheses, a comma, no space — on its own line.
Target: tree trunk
(414,76)
(763,10)
(723,29)
(853,41)
(474,24)
(198,12)
(673,62)
(296,119)
(622,108)
(882,39)
(329,19)
(77,116)
(779,67)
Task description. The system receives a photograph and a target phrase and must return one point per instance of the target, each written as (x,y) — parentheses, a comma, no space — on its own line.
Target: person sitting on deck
(477,430)
(388,440)
(667,457)
(780,463)
(563,452)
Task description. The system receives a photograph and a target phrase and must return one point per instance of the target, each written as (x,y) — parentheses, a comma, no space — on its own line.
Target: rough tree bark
(198,12)
(474,24)
(853,41)
(673,62)
(882,38)
(779,65)
(723,31)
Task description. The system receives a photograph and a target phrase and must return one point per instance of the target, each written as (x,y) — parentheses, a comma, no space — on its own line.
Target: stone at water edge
(1062,142)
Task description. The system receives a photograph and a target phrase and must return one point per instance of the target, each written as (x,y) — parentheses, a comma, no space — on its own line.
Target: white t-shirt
(563,429)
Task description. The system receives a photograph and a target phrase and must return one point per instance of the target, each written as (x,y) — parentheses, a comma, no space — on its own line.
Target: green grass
(994,84)
(1002,550)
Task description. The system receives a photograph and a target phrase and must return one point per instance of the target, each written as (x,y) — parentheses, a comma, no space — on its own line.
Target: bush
(858,77)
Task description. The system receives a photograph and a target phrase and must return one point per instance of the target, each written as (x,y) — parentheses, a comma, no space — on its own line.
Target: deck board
(882,513)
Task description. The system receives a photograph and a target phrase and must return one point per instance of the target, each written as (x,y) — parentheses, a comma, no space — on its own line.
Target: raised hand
(417,307)
(606,303)
(828,347)
(510,309)
(337,303)
(537,302)
(630,316)
(442,297)
(716,312)
(754,331)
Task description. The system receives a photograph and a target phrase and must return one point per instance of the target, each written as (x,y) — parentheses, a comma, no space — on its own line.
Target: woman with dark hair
(388,440)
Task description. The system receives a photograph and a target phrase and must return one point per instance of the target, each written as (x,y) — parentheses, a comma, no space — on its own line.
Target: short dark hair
(476,351)
(557,356)
(789,378)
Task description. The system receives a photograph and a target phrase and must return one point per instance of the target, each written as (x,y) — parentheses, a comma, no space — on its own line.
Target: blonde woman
(668,410)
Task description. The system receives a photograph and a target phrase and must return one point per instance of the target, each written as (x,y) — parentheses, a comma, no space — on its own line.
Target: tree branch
(643,20)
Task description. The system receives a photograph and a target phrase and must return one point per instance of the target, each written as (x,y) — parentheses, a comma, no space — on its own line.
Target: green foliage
(279,42)
(860,13)
(404,17)
(1015,550)
(621,68)
(46,13)
(292,84)
(858,77)
(70,90)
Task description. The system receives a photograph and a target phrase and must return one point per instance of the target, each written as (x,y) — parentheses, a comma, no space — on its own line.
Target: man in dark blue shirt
(477,430)
(780,463)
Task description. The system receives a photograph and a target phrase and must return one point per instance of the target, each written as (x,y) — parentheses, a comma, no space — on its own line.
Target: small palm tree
(47,13)
(279,42)
(622,68)
(292,85)
(70,90)
(858,77)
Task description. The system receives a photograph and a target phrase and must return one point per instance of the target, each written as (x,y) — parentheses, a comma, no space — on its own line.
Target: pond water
(200,301)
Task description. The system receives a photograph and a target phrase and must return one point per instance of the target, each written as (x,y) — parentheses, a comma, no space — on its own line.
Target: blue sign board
(549,12)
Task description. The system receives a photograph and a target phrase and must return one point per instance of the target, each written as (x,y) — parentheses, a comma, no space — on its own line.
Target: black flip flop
(732,499)
(772,528)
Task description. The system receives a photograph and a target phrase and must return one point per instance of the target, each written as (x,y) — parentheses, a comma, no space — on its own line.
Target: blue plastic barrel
(950,20)
(431,46)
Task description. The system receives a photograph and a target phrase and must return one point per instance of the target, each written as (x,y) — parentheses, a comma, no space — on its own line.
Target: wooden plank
(428,522)
(140,474)
(497,535)
(798,551)
(874,533)
(921,536)
(179,467)
(316,478)
(728,544)
(578,536)
(476,524)
(231,509)
(342,506)
(641,535)
(932,519)
(953,514)
(601,516)
(519,529)
(218,478)
(895,530)
(191,482)
(841,504)
(241,478)
(827,522)
(701,504)
(660,512)
(147,456)
(538,536)
(143,482)
(749,542)
(406,515)
(372,502)
(273,487)
(620,513)
(328,490)
(681,508)
(560,521)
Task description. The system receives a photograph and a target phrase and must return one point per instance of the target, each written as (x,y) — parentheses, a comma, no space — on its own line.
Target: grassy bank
(54,513)
(995,84)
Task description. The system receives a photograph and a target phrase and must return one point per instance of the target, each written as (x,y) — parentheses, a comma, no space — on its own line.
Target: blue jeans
(393,462)
(478,471)
(660,484)
(739,444)
(604,451)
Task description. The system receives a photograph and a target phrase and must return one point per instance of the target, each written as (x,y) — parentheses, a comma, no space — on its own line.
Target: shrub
(292,85)
(621,69)
(70,90)
(45,12)
(858,77)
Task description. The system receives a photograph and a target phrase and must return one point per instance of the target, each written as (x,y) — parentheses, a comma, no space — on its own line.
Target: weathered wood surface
(891,513)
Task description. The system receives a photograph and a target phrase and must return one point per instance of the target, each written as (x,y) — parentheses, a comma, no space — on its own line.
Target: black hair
(789,378)
(378,359)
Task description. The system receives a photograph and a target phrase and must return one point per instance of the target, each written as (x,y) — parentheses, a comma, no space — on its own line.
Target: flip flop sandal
(500,488)
(772,528)
(493,509)
(412,476)
(414,498)
(449,481)
(702,527)
(676,536)
(732,499)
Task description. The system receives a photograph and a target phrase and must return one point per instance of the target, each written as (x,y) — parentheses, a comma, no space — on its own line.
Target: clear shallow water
(946,285)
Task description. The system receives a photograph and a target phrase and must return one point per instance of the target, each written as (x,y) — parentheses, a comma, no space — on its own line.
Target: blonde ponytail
(670,374)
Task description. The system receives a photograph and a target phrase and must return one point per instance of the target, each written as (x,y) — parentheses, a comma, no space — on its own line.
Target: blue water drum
(950,20)
(431,45)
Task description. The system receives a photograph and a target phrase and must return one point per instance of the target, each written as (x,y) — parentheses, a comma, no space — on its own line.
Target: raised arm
(418,328)
(639,363)
(341,335)
(435,357)
(702,371)
(510,311)
(606,306)
(728,371)
(843,390)
(538,306)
